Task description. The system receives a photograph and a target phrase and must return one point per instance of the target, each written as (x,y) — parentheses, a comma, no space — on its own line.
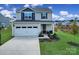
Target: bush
(49,32)
(74,26)
(56,29)
(41,35)
(53,37)
(74,29)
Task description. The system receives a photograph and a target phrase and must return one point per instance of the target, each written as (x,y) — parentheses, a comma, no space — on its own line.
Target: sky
(59,11)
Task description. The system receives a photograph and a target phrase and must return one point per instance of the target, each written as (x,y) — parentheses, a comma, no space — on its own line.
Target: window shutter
(22,16)
(33,16)
(46,15)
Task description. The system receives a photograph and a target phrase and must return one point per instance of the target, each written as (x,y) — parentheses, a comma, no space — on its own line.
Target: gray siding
(38,16)
(5,21)
(49,27)
(18,16)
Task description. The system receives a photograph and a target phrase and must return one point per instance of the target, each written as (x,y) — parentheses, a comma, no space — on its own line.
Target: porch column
(12,28)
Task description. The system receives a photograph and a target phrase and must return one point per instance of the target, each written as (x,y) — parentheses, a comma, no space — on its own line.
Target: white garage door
(26,31)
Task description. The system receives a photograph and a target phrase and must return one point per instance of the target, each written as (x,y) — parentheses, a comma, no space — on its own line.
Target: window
(18,27)
(23,27)
(30,27)
(44,15)
(35,27)
(27,15)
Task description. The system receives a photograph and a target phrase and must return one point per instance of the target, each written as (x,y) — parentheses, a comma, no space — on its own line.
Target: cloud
(26,5)
(14,10)
(61,18)
(64,13)
(6,13)
(70,15)
(55,17)
(50,7)
(1,8)
(34,5)
(76,15)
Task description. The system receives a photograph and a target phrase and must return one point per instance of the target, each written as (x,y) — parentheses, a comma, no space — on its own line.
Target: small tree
(74,27)
(59,25)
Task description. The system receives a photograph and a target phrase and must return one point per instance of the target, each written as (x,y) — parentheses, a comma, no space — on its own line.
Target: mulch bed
(45,40)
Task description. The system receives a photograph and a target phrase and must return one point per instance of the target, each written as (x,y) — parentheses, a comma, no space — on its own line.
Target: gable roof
(36,9)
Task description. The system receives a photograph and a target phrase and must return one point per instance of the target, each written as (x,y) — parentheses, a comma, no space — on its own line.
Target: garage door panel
(19,32)
(26,31)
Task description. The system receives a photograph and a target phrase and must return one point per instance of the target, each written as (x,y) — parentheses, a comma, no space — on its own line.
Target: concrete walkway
(21,46)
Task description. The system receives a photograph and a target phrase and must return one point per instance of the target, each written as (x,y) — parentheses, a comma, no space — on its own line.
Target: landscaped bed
(5,34)
(61,47)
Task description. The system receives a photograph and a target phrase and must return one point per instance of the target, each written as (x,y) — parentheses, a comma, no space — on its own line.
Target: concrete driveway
(21,46)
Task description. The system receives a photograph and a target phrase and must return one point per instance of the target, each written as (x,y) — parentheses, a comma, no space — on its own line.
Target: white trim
(53,28)
(33,22)
(25,8)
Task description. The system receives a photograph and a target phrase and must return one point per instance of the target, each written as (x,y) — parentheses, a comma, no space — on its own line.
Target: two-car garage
(24,30)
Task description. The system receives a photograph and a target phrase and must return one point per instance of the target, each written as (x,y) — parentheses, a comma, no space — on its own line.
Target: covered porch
(46,28)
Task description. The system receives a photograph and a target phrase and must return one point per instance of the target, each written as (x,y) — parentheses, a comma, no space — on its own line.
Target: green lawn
(60,47)
(6,35)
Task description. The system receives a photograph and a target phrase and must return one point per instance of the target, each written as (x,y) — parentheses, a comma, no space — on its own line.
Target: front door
(44,28)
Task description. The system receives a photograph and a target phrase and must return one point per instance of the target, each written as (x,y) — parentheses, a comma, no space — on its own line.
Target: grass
(6,34)
(60,47)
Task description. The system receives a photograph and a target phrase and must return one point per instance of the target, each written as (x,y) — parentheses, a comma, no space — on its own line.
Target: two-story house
(32,21)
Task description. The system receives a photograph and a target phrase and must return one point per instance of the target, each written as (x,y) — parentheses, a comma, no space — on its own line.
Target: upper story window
(27,15)
(44,15)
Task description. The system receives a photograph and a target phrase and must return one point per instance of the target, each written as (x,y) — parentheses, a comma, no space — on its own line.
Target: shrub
(74,29)
(56,29)
(41,35)
(50,32)
(53,37)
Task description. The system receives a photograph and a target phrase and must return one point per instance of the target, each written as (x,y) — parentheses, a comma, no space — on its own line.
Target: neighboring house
(32,21)
(66,23)
(4,21)
(78,22)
